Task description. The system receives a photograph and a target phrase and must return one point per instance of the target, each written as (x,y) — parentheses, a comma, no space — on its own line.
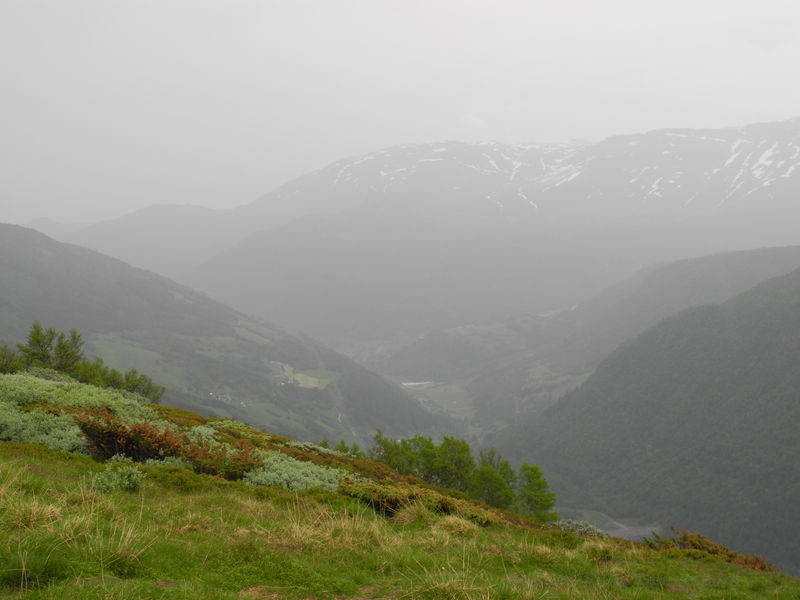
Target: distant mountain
(431,236)
(694,422)
(56,229)
(521,365)
(210,357)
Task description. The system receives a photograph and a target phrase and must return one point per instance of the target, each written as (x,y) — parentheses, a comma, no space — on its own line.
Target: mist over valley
(341,292)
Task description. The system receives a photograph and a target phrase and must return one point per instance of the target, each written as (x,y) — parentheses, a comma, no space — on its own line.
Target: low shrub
(108,435)
(49,374)
(281,470)
(119,477)
(388,498)
(579,527)
(58,432)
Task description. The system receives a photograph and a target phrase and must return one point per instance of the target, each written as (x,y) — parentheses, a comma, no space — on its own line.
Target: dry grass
(414,512)
(457,526)
(323,528)
(118,547)
(32,513)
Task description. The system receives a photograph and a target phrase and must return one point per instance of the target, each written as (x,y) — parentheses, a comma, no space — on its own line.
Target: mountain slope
(693,422)
(210,357)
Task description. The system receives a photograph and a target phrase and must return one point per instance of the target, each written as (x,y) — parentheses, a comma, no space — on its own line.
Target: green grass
(190,536)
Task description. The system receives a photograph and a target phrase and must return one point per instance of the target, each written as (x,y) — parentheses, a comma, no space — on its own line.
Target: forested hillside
(694,422)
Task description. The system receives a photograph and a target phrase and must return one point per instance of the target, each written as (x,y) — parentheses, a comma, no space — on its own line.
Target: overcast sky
(111,105)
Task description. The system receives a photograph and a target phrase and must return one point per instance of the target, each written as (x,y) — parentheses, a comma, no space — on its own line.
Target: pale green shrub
(58,432)
(316,448)
(49,374)
(119,477)
(203,433)
(280,470)
(24,388)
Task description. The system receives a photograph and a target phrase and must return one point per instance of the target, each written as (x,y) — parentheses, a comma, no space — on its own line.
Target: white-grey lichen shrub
(23,388)
(203,433)
(579,527)
(58,432)
(50,374)
(309,447)
(280,470)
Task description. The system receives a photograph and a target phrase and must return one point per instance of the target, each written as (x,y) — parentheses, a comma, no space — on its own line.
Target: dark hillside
(694,422)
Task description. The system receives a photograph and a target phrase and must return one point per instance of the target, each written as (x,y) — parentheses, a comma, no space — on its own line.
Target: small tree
(533,496)
(38,349)
(68,351)
(52,349)
(493,480)
(454,464)
(10,360)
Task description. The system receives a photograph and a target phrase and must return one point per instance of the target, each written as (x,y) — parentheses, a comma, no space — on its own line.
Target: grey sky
(110,105)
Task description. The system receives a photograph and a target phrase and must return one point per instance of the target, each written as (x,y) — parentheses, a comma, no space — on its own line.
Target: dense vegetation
(693,423)
(450,464)
(126,499)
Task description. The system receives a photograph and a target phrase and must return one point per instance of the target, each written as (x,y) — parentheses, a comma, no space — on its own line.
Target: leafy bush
(49,374)
(119,477)
(109,435)
(579,527)
(280,470)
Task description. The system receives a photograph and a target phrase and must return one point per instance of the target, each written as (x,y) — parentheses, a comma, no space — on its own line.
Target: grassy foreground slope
(64,533)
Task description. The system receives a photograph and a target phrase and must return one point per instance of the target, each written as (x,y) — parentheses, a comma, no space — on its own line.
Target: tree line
(451,464)
(63,352)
